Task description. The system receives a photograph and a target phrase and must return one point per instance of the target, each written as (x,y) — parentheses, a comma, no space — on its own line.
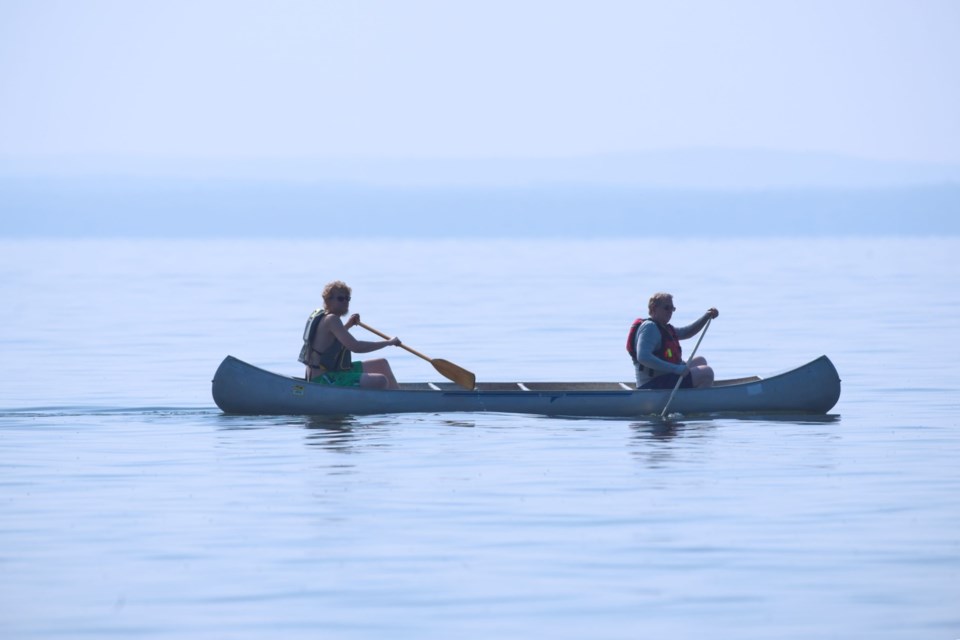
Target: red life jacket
(669,342)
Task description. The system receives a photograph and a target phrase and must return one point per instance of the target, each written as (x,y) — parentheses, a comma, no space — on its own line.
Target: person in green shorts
(328,346)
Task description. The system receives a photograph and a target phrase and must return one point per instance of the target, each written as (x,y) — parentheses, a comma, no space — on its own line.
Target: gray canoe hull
(241,388)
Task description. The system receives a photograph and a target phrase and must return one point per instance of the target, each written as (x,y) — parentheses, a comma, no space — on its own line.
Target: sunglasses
(341,298)
(668,308)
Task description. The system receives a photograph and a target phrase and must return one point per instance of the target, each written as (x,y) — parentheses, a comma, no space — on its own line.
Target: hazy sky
(251,79)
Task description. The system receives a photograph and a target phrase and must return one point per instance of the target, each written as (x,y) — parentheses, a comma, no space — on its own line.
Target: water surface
(132,506)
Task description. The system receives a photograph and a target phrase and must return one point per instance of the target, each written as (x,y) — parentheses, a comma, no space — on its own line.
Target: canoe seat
(577,386)
(727,383)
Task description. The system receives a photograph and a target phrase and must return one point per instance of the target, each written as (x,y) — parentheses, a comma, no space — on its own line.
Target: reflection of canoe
(241,388)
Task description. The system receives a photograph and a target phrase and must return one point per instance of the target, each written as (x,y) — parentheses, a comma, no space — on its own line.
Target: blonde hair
(657,298)
(332,288)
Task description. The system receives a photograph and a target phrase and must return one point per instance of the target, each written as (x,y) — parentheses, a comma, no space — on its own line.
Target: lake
(131,506)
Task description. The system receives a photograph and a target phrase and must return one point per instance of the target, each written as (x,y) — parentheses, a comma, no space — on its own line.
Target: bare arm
(342,333)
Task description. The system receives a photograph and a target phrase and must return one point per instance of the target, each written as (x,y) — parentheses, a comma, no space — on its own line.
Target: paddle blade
(457,374)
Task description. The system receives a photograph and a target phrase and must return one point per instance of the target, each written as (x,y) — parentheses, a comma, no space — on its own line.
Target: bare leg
(379,373)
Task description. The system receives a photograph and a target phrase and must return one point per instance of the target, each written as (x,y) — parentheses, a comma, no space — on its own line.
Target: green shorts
(347,378)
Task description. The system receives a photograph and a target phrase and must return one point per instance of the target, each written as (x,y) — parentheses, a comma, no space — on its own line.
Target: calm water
(132,507)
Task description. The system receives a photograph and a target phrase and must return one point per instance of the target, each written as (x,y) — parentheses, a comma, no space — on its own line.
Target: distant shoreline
(693,168)
(58,207)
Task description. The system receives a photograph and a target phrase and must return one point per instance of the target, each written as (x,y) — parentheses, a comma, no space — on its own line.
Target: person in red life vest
(327,346)
(654,345)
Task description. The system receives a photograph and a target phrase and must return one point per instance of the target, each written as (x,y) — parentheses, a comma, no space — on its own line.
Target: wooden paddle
(447,369)
(680,379)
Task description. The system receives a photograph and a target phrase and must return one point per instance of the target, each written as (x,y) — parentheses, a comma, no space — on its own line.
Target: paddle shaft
(461,376)
(401,345)
(680,379)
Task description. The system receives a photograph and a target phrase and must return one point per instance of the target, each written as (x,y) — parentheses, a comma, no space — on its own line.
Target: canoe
(241,388)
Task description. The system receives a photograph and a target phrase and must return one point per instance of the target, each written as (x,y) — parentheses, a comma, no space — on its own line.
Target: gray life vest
(336,357)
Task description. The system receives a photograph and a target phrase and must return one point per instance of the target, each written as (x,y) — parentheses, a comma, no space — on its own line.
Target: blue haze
(151,209)
(503,184)
(702,192)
